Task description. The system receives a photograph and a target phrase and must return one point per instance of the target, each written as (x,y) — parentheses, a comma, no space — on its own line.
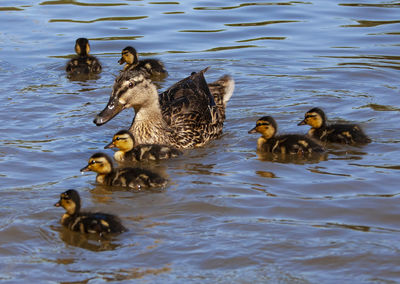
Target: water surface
(227,215)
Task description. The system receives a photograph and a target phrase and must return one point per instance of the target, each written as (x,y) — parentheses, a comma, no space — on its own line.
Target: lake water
(227,215)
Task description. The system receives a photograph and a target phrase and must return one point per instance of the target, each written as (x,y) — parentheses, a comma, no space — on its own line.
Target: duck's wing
(188,99)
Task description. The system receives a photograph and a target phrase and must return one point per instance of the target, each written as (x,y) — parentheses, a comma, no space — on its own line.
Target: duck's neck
(104,178)
(149,126)
(260,142)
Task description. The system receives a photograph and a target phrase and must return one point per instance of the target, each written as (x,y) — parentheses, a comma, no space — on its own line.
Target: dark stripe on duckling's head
(123,140)
(70,201)
(99,163)
(315,117)
(82,47)
(129,56)
(266,125)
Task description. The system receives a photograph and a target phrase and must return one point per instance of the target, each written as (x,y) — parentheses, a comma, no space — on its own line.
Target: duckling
(125,142)
(284,144)
(186,115)
(351,134)
(86,222)
(83,63)
(136,178)
(148,67)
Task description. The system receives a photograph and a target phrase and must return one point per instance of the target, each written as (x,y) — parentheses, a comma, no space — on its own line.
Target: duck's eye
(92,162)
(130,85)
(117,138)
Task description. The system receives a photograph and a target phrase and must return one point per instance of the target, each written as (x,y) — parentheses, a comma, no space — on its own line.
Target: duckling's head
(131,89)
(129,56)
(82,47)
(70,201)
(266,126)
(99,163)
(315,117)
(123,140)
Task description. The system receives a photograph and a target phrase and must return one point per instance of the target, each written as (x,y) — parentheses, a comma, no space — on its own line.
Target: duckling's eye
(117,138)
(92,162)
(130,85)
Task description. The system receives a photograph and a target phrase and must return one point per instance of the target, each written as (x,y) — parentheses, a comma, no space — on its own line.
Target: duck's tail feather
(222,89)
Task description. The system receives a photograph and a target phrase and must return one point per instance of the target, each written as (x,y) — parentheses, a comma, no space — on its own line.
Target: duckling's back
(292,144)
(83,65)
(152,152)
(351,134)
(136,178)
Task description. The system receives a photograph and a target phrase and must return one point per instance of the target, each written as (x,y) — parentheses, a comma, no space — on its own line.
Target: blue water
(227,215)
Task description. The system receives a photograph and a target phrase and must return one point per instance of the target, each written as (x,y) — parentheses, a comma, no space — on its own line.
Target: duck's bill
(58,204)
(121,61)
(109,146)
(251,131)
(113,108)
(85,169)
(303,122)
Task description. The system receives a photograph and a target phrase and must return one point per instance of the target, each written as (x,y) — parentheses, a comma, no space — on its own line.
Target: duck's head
(99,163)
(266,126)
(123,140)
(82,47)
(129,56)
(315,117)
(131,89)
(70,201)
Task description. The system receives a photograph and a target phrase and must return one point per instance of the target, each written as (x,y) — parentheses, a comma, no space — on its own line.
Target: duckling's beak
(251,131)
(58,204)
(85,169)
(303,122)
(110,145)
(113,108)
(121,60)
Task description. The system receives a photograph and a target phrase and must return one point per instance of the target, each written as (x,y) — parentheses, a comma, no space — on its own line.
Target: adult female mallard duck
(336,133)
(125,142)
(86,222)
(184,116)
(83,63)
(284,144)
(135,178)
(148,67)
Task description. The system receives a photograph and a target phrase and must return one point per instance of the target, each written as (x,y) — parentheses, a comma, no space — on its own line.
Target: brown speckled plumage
(186,115)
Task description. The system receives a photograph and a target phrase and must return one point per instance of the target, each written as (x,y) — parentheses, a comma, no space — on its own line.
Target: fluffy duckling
(337,133)
(184,116)
(86,222)
(125,142)
(284,144)
(136,178)
(83,63)
(148,67)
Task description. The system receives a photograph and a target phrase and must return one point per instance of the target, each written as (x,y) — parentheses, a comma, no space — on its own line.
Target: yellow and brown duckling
(148,67)
(86,222)
(83,63)
(186,115)
(283,144)
(125,142)
(132,177)
(351,134)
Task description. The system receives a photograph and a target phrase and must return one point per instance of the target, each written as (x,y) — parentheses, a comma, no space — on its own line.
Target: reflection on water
(228,213)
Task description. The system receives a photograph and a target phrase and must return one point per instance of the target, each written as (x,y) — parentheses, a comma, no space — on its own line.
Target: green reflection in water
(264,23)
(253,4)
(73,2)
(202,31)
(10,9)
(99,20)
(263,38)
(369,24)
